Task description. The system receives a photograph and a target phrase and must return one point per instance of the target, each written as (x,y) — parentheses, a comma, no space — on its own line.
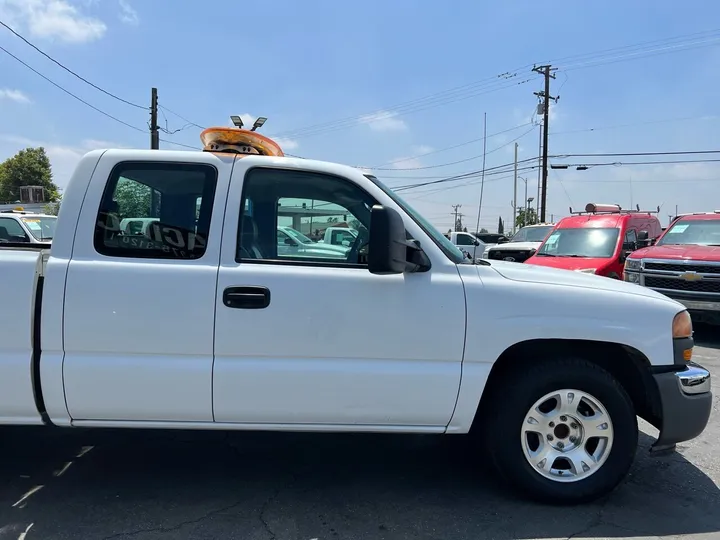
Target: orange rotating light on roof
(240,141)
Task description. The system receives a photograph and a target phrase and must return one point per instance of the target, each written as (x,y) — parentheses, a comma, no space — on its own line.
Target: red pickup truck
(684,264)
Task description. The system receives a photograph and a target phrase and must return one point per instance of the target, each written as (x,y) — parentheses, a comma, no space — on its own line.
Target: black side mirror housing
(643,236)
(389,250)
(290,242)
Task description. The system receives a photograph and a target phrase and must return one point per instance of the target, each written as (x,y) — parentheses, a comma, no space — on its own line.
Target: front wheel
(564,432)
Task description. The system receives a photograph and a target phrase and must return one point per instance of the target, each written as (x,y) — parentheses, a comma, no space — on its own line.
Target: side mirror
(390,250)
(476,243)
(387,251)
(624,254)
(290,242)
(643,236)
(345,243)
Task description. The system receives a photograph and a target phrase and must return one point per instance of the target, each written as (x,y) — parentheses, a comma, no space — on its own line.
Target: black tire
(511,399)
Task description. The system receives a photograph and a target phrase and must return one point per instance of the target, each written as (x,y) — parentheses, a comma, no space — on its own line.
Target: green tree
(501,226)
(29,167)
(483,230)
(134,199)
(53,208)
(524,217)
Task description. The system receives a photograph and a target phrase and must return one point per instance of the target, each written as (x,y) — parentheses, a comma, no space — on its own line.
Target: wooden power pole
(547,72)
(154,131)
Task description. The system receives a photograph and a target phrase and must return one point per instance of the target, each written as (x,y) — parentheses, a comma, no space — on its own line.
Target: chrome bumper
(694,380)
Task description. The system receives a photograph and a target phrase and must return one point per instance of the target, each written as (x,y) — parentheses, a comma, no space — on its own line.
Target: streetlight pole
(515,191)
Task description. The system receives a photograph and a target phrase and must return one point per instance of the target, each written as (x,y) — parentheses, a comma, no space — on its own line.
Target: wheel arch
(628,365)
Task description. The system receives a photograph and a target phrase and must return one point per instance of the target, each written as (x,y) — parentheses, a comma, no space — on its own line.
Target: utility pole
(515,192)
(154,132)
(458,215)
(546,71)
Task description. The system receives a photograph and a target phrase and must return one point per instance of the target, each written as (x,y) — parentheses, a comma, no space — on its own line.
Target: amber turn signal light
(682,325)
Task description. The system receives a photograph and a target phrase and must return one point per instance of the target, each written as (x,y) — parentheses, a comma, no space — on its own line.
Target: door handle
(246,297)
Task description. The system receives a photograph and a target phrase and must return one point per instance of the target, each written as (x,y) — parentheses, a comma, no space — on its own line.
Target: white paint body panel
(147,343)
(19,273)
(138,335)
(337,345)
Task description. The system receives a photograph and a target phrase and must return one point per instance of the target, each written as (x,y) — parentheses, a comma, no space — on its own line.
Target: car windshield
(297,235)
(701,232)
(580,242)
(451,250)
(532,234)
(42,228)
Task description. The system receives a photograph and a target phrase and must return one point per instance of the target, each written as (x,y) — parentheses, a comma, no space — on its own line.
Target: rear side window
(156,211)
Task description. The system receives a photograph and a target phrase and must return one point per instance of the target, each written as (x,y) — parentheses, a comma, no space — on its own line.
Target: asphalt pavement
(88,485)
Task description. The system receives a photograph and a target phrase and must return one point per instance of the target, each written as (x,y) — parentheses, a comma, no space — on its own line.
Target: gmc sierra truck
(199,322)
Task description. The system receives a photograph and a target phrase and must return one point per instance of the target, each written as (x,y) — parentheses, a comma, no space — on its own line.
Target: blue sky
(370,83)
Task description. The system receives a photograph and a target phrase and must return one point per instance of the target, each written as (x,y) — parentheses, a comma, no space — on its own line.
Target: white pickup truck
(547,370)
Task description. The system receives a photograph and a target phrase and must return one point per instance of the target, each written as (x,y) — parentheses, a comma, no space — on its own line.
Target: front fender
(503,312)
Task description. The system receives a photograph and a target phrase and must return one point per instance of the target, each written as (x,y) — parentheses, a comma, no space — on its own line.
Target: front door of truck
(315,339)
(140,302)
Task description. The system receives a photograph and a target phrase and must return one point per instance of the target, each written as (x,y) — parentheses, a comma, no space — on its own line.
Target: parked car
(27,227)
(291,242)
(684,264)
(545,369)
(596,241)
(522,245)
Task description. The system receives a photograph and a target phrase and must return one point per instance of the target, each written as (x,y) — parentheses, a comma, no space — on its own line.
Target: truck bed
(21,270)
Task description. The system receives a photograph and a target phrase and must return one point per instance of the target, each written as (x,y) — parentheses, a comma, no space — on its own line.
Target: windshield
(42,228)
(297,235)
(580,242)
(701,232)
(532,234)
(450,249)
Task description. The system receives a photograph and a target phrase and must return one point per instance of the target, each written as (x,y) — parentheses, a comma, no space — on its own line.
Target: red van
(598,240)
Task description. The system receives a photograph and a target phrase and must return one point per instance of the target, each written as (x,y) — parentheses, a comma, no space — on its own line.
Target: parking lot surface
(67,484)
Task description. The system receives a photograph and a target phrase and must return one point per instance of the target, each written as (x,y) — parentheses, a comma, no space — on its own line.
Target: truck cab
(684,264)
(26,227)
(598,240)
(472,246)
(522,245)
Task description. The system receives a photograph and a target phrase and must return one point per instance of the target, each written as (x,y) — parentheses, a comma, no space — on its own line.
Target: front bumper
(685,403)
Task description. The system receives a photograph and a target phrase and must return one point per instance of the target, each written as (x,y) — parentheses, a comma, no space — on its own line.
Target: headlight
(633,264)
(485,254)
(682,325)
(587,270)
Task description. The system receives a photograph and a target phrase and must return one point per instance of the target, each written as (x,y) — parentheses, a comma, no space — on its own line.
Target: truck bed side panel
(20,270)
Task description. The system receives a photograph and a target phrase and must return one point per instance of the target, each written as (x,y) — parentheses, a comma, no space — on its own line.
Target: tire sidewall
(600,385)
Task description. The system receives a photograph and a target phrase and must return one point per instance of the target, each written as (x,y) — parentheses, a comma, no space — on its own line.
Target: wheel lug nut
(574,425)
(552,424)
(550,437)
(563,418)
(573,439)
(560,445)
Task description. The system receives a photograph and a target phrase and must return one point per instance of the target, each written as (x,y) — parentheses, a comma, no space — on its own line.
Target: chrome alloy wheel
(567,435)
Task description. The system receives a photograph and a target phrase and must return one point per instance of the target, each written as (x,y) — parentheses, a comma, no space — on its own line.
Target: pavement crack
(177,526)
(594,522)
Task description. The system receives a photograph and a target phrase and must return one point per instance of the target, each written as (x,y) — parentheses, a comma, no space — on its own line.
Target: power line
(392,112)
(71,94)
(453,147)
(71,71)
(441,98)
(458,161)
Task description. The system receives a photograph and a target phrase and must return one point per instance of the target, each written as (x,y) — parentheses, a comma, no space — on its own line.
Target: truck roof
(699,216)
(593,221)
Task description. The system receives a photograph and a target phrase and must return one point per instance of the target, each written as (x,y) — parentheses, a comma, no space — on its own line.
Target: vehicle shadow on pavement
(707,336)
(180,485)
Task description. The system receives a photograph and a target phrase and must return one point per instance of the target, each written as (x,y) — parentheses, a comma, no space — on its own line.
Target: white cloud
(422,149)
(63,158)
(406,163)
(52,19)
(13,95)
(383,121)
(128,15)
(286,144)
